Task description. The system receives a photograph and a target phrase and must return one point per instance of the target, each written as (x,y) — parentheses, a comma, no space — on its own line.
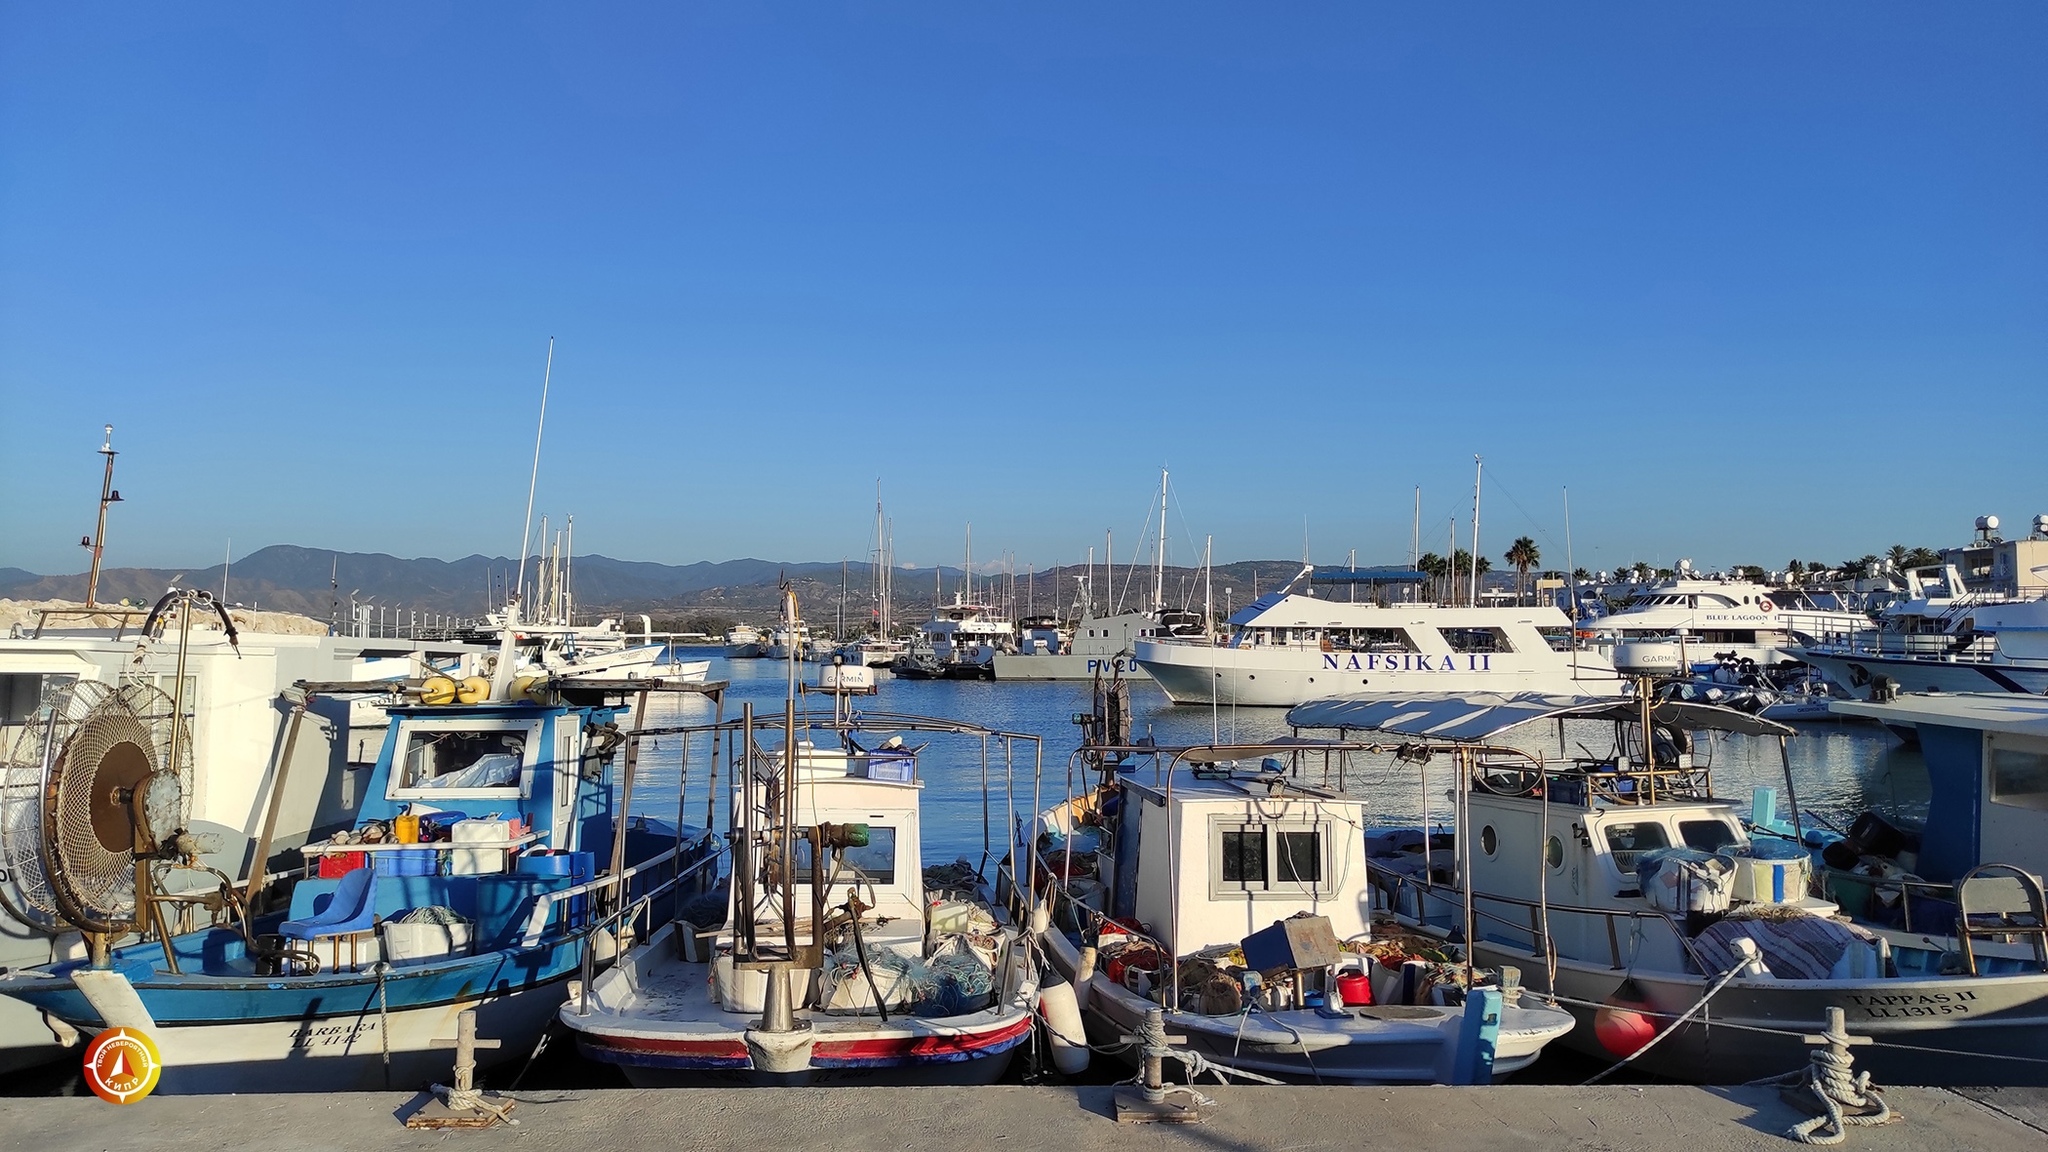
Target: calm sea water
(1838,770)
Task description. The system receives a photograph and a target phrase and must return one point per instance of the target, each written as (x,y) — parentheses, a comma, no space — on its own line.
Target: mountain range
(318,582)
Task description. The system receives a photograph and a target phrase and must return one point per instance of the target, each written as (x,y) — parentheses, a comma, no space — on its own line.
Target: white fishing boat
(1287,647)
(1669,917)
(841,958)
(1217,887)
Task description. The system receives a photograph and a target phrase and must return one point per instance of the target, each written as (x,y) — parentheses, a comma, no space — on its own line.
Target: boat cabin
(1987,771)
(1224,852)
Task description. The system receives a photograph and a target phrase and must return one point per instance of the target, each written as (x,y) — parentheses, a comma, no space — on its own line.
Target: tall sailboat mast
(1159,565)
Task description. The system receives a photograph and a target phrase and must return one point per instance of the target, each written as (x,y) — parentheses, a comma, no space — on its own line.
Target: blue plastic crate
(405,862)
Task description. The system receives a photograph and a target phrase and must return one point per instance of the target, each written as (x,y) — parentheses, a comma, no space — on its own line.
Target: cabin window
(1301,857)
(22,693)
(1267,859)
(1625,842)
(455,759)
(1477,640)
(1706,835)
(2019,776)
(1489,840)
(1244,857)
(876,861)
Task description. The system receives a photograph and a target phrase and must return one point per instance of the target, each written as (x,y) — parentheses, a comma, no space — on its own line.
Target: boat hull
(1936,1030)
(1067,667)
(884,1058)
(1305,1047)
(1857,671)
(1282,677)
(340,1053)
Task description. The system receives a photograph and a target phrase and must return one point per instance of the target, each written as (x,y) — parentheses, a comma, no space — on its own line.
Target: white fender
(1063,1019)
(1084,973)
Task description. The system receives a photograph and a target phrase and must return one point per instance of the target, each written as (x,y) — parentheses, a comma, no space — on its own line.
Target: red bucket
(1355,988)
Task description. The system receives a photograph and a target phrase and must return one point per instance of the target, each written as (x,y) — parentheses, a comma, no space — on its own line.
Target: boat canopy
(1471,717)
(1294,610)
(1255,609)
(1382,574)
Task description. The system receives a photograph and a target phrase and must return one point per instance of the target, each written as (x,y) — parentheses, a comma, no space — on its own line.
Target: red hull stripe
(916,1047)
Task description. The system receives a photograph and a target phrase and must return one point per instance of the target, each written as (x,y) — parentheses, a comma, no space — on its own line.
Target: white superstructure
(1692,618)
(1287,648)
(967,633)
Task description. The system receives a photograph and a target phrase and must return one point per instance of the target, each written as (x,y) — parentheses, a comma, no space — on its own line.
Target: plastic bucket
(1355,988)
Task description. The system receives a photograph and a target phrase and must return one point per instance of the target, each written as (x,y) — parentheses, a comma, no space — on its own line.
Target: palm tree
(1897,554)
(1432,565)
(1524,555)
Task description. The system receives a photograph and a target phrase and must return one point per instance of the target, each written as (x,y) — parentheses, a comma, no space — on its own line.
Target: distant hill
(286,577)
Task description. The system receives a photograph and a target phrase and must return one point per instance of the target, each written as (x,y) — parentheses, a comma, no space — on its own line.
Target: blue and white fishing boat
(490,864)
(1627,890)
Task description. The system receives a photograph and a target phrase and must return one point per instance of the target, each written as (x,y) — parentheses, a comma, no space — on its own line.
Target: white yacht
(965,638)
(1286,647)
(604,651)
(1977,622)
(743,642)
(784,639)
(1692,618)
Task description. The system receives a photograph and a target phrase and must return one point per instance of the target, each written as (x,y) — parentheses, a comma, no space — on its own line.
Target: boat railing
(544,903)
(1535,918)
(1615,780)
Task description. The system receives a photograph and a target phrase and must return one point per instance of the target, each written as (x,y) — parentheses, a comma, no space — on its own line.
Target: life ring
(1765,605)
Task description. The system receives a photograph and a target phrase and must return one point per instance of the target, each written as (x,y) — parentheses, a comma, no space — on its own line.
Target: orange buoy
(1623,1025)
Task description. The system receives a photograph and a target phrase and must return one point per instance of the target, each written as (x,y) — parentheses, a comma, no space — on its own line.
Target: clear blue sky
(1753,280)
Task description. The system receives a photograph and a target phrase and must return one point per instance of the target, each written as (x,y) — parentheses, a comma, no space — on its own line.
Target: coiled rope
(1829,1076)
(472,1100)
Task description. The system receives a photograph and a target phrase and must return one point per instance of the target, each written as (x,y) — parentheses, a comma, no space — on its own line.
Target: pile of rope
(1830,1077)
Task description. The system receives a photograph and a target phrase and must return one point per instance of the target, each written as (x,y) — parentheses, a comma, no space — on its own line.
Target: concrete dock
(1506,1118)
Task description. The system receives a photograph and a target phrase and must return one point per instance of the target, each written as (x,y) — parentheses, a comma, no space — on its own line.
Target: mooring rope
(381,969)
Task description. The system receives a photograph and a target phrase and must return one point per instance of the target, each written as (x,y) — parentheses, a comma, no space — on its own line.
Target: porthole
(1489,843)
(1554,852)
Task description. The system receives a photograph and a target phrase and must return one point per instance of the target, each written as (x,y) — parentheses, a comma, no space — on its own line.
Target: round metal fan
(90,780)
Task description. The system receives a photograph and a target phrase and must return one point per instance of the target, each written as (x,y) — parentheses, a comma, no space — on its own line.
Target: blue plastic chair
(350,912)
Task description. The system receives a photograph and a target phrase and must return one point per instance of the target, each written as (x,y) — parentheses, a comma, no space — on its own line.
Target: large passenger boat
(1287,647)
